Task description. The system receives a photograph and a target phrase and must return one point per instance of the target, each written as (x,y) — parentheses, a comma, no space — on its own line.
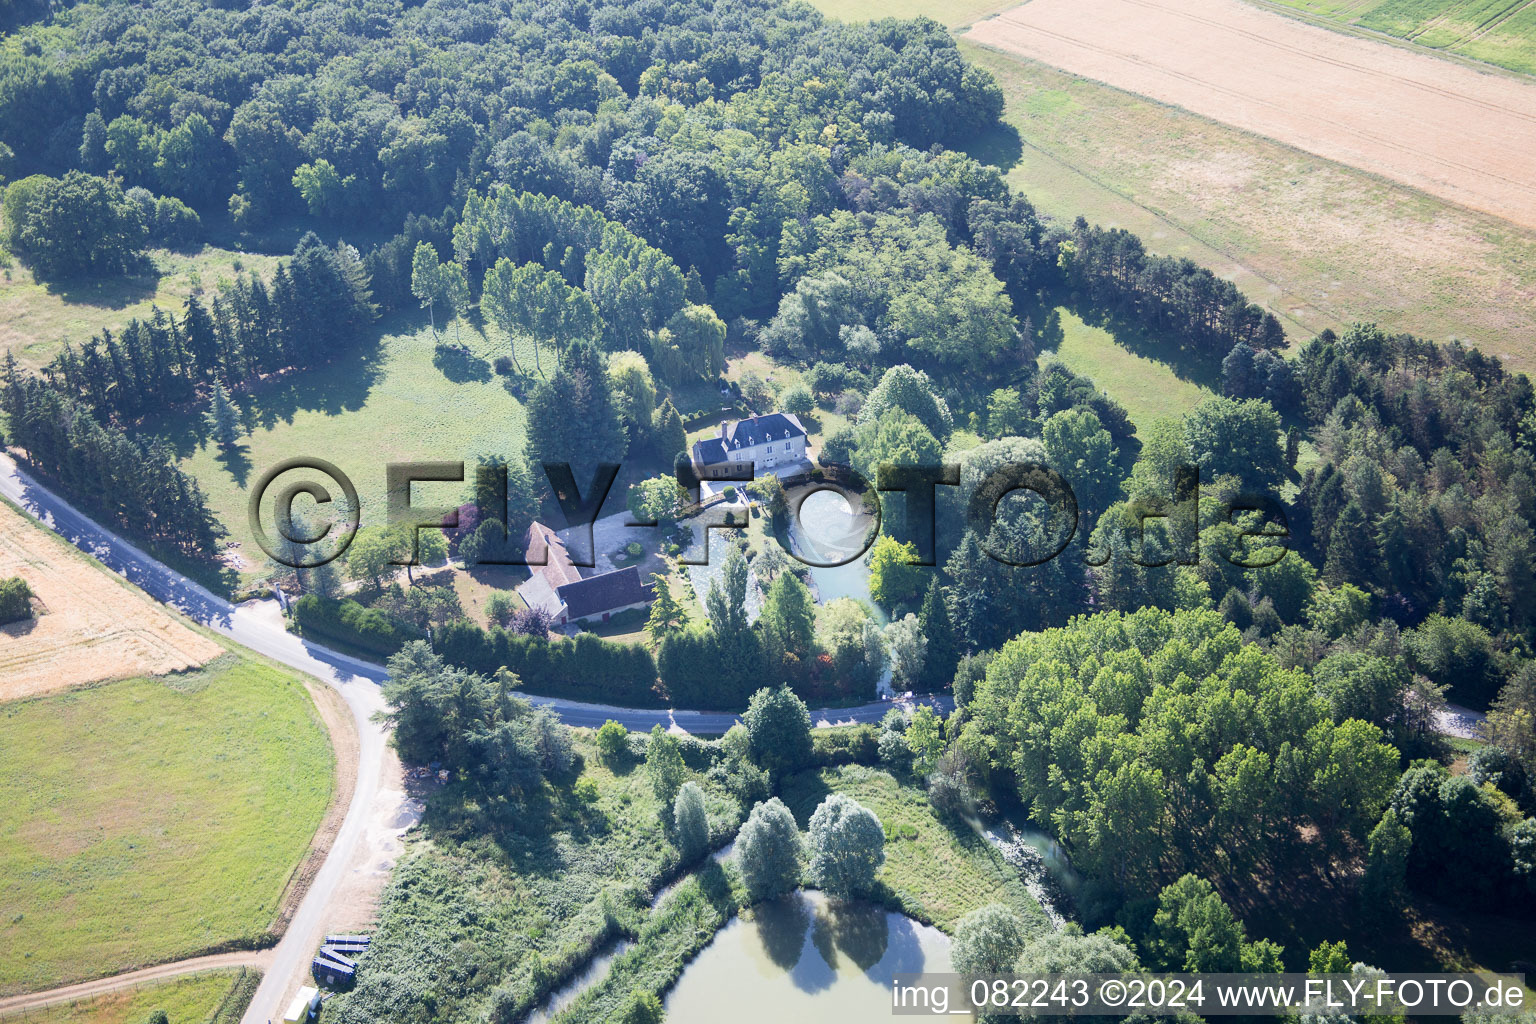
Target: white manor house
(775,441)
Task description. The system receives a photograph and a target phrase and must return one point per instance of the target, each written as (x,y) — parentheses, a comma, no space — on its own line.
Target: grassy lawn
(396,402)
(1501,32)
(931,872)
(36,318)
(195,999)
(1149,389)
(153,819)
(476,586)
(1320,244)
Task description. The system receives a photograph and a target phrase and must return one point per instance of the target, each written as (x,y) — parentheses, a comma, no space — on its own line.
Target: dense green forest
(650,188)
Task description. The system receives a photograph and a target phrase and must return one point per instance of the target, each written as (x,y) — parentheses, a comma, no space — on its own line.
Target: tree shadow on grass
(1181,359)
(459,364)
(138,283)
(236,461)
(802,794)
(339,387)
(1001,147)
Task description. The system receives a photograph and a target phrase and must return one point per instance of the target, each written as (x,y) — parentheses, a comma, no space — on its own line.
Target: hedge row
(586,668)
(349,623)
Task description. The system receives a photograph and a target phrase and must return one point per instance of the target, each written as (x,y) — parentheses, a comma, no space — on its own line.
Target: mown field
(153,819)
(1501,32)
(212,997)
(395,401)
(1149,388)
(36,318)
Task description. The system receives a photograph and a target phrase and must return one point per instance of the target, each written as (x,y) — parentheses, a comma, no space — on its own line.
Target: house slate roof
(558,569)
(774,426)
(597,594)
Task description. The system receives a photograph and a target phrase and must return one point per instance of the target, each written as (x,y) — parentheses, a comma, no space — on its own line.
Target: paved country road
(259,626)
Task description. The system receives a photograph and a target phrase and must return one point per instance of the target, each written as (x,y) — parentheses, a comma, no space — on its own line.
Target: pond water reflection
(805,958)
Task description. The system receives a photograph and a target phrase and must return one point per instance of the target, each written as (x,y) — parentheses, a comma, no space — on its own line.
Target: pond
(826,531)
(807,959)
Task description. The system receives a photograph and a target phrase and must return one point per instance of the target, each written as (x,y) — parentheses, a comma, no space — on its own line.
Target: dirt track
(88,627)
(101,986)
(1449,130)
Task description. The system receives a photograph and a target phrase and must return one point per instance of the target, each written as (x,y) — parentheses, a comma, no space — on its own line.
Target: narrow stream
(1042,863)
(597,968)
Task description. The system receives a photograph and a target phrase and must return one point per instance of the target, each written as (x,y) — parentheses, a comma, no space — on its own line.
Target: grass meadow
(931,872)
(1149,388)
(211,997)
(153,819)
(394,401)
(1499,32)
(36,318)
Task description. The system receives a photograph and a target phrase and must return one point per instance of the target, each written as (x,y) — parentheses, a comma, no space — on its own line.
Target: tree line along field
(1319,243)
(36,317)
(153,819)
(1499,32)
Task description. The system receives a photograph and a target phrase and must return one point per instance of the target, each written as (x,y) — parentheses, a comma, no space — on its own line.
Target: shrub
(586,667)
(175,222)
(779,726)
(503,365)
(857,744)
(988,940)
(643,1008)
(612,741)
(586,790)
(847,845)
(690,825)
(15,600)
(499,608)
(768,851)
(797,400)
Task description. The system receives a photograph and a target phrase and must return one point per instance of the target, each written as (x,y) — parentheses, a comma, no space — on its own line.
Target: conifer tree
(223,418)
(943,645)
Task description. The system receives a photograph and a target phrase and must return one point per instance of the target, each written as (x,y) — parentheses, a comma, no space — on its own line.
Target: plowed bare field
(87,626)
(1452,131)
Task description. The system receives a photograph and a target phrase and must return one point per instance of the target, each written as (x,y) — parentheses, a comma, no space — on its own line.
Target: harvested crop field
(87,626)
(1449,130)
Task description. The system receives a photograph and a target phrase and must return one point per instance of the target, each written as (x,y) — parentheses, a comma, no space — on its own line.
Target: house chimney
(722,430)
